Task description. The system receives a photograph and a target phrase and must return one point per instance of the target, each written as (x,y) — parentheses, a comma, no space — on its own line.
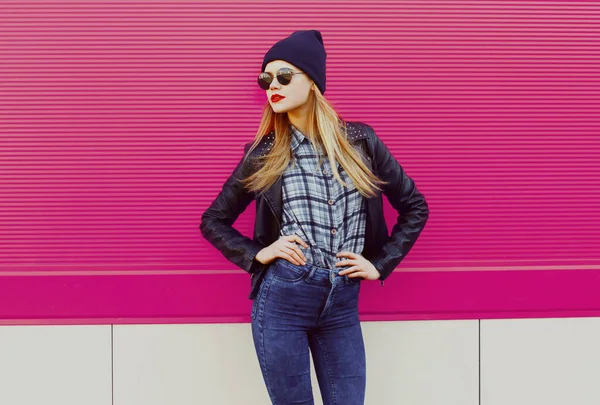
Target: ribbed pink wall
(119,122)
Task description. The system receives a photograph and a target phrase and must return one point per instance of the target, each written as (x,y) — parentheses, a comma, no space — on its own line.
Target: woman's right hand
(285,248)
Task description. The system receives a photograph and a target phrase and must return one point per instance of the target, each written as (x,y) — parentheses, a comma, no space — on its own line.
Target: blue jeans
(302,307)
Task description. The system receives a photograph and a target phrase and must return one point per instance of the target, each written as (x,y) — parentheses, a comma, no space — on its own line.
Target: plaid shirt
(327,216)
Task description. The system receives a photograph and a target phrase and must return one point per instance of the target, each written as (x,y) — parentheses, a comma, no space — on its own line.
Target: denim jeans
(302,307)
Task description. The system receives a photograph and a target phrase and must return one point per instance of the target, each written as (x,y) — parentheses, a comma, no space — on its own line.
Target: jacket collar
(355,133)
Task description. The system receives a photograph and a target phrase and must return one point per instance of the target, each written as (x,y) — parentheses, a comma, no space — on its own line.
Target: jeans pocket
(288,272)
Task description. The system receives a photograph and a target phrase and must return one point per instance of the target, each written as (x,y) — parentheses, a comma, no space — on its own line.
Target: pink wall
(120,121)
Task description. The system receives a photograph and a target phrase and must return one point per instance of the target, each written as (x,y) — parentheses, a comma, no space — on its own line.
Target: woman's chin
(278,108)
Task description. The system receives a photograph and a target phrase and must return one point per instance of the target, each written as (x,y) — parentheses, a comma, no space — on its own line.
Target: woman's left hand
(361,267)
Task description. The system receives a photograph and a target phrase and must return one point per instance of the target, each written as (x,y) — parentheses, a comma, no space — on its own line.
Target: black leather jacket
(381,249)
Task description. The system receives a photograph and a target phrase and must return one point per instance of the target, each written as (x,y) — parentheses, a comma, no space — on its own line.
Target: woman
(320,231)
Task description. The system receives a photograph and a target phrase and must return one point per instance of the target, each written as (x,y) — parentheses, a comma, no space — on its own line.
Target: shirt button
(325,171)
(330,202)
(333,231)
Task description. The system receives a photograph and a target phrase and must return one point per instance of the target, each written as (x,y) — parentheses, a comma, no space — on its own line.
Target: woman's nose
(274,84)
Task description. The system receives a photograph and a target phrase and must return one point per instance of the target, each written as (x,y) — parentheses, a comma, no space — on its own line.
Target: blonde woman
(320,232)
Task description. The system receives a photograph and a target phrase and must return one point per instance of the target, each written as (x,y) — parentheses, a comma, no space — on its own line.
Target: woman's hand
(361,267)
(284,247)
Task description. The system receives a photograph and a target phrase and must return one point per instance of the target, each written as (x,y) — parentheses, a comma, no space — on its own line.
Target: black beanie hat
(303,49)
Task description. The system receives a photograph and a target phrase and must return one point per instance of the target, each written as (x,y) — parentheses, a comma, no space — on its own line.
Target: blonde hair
(325,129)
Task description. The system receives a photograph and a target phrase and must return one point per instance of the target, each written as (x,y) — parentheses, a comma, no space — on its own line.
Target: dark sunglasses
(284,76)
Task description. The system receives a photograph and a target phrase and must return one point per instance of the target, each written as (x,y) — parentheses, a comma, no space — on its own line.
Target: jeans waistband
(309,266)
(315,274)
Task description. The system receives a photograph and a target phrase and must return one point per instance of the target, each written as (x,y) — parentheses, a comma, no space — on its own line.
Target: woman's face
(295,93)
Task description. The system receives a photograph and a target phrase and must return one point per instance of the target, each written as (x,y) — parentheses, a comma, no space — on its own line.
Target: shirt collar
(297,137)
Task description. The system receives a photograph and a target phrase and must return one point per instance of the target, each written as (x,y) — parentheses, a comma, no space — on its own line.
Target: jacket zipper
(277,219)
(273,211)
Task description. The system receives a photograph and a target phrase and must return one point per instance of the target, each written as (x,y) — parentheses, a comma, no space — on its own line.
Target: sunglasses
(284,77)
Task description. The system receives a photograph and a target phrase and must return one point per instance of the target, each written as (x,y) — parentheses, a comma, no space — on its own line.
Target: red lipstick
(276,97)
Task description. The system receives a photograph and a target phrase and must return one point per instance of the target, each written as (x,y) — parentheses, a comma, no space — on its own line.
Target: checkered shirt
(327,216)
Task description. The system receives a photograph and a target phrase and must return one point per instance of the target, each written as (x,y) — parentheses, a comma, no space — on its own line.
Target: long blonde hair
(325,129)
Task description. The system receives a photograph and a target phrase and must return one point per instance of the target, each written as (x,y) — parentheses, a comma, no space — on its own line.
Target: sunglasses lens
(284,76)
(264,80)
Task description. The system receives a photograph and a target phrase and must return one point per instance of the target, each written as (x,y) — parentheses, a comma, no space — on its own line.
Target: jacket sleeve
(217,220)
(403,195)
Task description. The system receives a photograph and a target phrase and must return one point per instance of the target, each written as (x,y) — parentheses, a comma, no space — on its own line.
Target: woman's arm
(406,199)
(217,220)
